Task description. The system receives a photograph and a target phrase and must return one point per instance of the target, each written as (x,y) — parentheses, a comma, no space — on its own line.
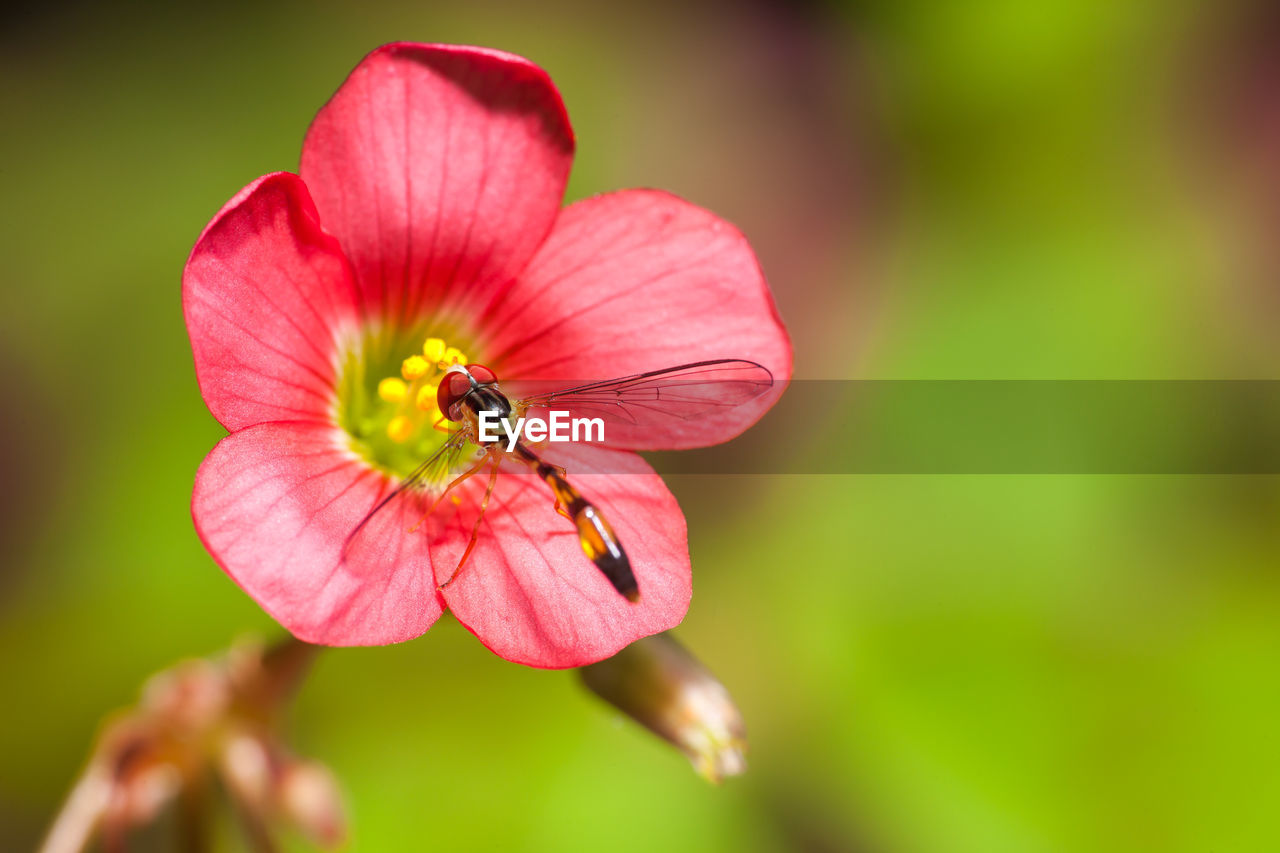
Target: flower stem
(82,812)
(193,816)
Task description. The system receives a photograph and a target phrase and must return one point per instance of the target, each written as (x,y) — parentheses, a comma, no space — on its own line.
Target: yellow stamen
(427,397)
(392,390)
(414,367)
(434,349)
(412,399)
(399,429)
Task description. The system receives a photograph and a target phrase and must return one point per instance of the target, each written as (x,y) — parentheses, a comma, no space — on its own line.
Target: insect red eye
(452,389)
(481,374)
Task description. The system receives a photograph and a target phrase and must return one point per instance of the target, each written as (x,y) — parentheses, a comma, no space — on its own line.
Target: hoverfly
(625,405)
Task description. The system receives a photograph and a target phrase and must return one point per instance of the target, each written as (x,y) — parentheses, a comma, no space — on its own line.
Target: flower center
(394,422)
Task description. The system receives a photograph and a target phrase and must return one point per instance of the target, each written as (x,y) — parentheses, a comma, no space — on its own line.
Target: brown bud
(190,696)
(309,796)
(245,762)
(659,684)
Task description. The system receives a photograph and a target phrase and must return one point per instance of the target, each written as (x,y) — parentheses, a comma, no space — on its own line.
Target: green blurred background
(991,189)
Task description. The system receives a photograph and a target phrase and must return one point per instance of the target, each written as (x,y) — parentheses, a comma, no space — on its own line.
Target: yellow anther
(453,356)
(434,349)
(399,428)
(392,390)
(426,400)
(414,367)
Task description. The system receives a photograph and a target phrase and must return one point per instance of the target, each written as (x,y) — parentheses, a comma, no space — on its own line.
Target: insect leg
(456,481)
(475,528)
(560,472)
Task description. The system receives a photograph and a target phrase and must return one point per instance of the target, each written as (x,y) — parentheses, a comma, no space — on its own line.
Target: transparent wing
(650,399)
(433,469)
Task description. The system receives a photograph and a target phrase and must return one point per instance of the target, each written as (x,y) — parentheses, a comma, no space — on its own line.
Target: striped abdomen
(597,538)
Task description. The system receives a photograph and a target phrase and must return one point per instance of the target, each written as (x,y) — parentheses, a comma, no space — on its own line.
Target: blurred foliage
(988,189)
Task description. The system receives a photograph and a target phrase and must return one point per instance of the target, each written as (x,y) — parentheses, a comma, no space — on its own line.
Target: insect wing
(404,502)
(645,409)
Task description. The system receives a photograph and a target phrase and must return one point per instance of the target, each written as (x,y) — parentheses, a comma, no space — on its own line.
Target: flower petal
(266,295)
(641,280)
(530,594)
(440,169)
(274,503)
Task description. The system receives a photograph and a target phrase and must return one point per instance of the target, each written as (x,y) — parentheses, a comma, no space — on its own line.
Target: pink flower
(427,214)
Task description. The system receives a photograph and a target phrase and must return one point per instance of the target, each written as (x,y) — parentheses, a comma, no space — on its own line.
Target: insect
(626,406)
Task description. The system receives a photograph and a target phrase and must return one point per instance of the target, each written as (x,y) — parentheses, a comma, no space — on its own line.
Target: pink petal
(634,281)
(267,294)
(530,594)
(274,503)
(440,169)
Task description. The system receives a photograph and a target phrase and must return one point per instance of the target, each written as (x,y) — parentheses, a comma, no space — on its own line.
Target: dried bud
(197,719)
(659,684)
(142,768)
(245,763)
(309,796)
(140,797)
(190,697)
